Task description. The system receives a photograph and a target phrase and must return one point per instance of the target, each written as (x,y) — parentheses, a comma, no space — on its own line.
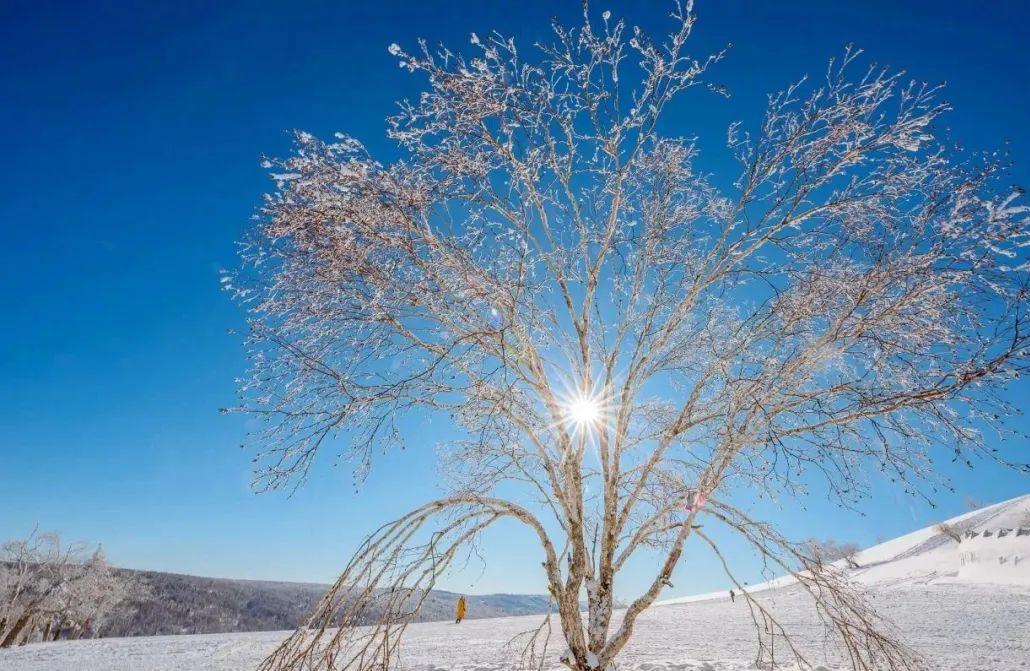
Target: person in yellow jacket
(459,609)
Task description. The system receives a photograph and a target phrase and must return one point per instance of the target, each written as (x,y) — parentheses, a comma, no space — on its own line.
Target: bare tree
(950,531)
(621,341)
(50,591)
(828,551)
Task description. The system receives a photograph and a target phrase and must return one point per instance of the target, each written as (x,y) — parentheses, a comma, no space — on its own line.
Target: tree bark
(26,636)
(16,630)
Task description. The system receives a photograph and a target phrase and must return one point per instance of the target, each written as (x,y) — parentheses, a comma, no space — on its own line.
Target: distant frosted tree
(829,550)
(49,590)
(949,531)
(620,342)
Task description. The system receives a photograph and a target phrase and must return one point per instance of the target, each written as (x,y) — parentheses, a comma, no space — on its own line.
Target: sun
(584,411)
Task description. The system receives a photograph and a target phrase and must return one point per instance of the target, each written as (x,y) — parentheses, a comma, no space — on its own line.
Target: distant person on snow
(733,597)
(459,609)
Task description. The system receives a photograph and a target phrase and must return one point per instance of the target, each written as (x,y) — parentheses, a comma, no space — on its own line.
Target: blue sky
(132,138)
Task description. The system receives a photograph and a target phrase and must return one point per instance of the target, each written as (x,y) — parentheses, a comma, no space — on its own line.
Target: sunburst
(584,411)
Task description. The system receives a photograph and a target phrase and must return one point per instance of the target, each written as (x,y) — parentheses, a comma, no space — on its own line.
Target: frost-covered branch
(619,344)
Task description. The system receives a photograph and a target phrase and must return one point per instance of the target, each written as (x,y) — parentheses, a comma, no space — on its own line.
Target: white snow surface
(960,621)
(928,556)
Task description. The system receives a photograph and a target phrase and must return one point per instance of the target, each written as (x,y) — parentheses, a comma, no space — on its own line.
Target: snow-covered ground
(928,556)
(961,622)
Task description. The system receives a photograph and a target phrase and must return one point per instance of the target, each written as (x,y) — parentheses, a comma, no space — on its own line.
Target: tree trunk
(600,599)
(26,634)
(15,631)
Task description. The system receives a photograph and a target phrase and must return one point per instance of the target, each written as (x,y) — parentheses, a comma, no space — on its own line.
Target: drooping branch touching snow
(617,341)
(864,639)
(388,579)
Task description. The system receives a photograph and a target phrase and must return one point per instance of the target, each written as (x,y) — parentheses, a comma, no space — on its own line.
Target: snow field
(958,627)
(958,623)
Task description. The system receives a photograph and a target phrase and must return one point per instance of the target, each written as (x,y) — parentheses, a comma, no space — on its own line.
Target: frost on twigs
(51,590)
(618,346)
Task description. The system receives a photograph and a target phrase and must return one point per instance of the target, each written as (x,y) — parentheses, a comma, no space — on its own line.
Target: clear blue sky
(132,136)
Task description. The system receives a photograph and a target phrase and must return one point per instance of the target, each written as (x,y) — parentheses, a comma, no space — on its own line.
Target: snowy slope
(928,556)
(959,624)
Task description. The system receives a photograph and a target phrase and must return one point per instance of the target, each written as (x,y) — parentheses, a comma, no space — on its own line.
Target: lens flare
(584,411)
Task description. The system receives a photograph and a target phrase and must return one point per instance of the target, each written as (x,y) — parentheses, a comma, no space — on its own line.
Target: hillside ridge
(175,603)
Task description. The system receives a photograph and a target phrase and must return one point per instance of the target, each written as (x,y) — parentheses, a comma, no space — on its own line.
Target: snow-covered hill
(962,620)
(184,604)
(931,556)
(992,542)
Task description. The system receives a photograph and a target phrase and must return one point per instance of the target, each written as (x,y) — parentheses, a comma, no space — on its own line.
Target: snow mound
(994,549)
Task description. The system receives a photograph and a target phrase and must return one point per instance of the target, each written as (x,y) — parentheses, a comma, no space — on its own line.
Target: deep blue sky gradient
(132,133)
